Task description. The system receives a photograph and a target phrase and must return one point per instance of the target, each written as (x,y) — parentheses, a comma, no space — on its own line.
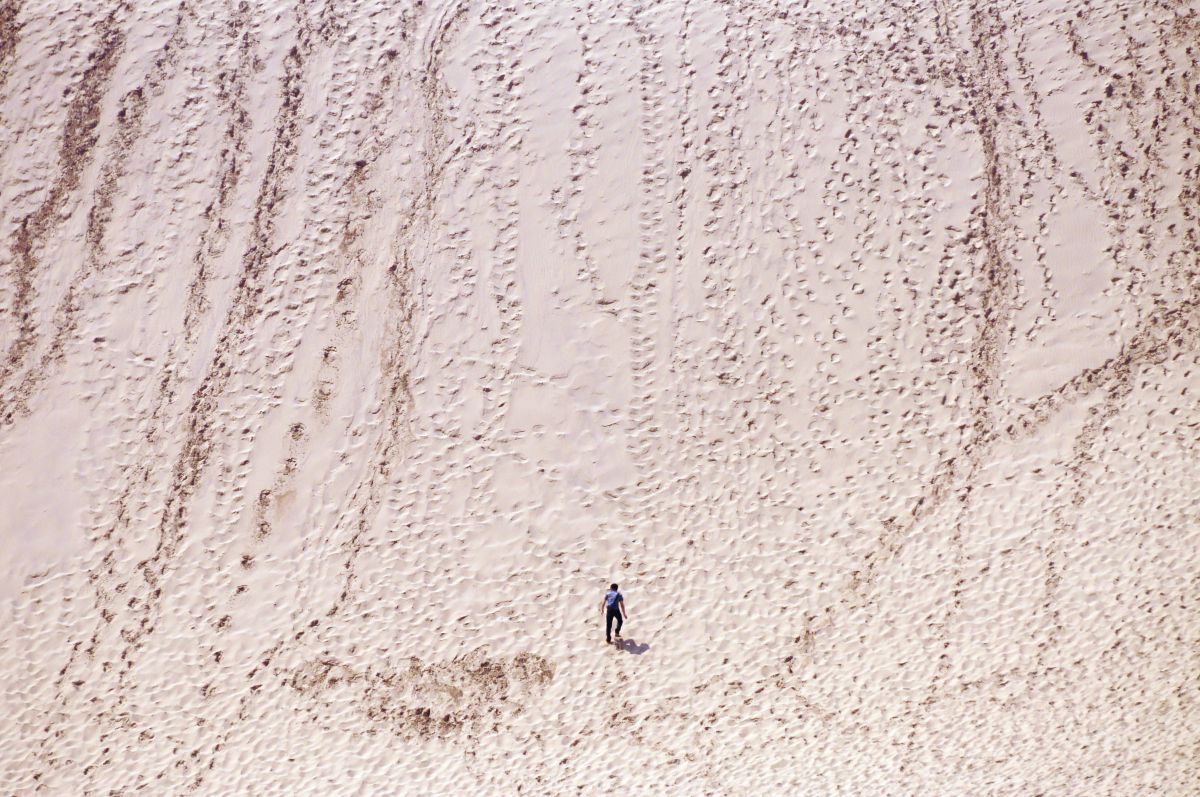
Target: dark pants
(612,614)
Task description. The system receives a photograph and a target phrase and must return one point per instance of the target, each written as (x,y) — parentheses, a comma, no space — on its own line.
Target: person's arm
(603,603)
(624,613)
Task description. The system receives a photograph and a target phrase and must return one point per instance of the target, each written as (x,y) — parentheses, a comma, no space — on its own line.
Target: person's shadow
(630,646)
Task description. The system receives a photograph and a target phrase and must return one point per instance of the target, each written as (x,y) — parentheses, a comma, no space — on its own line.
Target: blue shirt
(612,598)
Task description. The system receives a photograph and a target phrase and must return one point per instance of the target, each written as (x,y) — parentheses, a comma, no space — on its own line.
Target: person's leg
(608,626)
(617,614)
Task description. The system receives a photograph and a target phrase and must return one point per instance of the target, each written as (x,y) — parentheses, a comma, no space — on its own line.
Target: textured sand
(349,349)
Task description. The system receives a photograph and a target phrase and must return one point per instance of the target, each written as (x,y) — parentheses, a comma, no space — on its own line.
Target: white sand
(351,349)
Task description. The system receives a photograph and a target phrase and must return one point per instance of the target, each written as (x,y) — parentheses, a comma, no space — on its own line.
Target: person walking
(613,607)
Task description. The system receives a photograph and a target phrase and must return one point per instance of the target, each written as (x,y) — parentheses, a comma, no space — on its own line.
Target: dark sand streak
(80,135)
(202,424)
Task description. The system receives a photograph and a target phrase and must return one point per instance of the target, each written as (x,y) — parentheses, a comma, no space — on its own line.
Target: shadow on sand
(630,646)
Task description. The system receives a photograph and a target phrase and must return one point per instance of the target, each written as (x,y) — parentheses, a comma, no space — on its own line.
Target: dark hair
(612,586)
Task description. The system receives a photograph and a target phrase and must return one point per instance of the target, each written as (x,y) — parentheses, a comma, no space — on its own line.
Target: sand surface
(348,350)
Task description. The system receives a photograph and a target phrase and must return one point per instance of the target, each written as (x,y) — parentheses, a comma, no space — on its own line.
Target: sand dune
(348,350)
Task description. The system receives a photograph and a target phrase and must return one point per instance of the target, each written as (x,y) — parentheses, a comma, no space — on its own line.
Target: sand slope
(348,350)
